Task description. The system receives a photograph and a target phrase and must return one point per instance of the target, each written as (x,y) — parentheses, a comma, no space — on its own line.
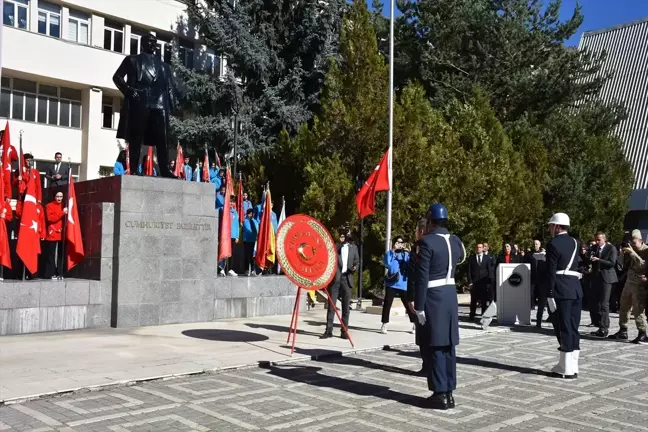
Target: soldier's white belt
(440,282)
(570,273)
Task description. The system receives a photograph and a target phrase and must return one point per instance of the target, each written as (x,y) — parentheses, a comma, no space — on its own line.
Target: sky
(598,14)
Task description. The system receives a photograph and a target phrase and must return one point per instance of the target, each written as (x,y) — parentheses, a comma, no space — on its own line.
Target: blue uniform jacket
(119,169)
(235,224)
(397,263)
(559,252)
(220,201)
(250,230)
(441,328)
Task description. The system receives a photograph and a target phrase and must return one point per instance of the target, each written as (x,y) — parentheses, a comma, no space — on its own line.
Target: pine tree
(276,55)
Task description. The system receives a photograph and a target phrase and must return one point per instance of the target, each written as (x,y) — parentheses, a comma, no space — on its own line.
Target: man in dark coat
(147,85)
(436,306)
(604,262)
(565,295)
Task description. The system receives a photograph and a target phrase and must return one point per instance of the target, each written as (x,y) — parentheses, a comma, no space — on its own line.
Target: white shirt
(345,256)
(479,258)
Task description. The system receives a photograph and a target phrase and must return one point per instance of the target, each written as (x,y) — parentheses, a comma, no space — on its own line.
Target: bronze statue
(149,99)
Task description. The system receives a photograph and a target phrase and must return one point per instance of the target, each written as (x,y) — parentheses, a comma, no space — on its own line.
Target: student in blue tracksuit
(396,280)
(188,171)
(220,199)
(120,164)
(250,232)
(247,204)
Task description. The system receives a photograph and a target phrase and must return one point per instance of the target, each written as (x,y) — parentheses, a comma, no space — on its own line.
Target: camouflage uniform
(635,290)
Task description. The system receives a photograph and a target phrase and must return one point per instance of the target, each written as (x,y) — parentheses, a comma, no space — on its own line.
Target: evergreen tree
(276,55)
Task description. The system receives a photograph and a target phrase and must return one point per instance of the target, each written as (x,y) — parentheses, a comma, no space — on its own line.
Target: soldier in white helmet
(565,294)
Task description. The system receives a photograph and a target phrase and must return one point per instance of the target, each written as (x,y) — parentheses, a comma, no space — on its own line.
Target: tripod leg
(337,313)
(292,349)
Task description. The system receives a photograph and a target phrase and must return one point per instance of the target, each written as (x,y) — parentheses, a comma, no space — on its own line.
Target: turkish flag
(217,160)
(28,246)
(5,254)
(377,181)
(128,167)
(205,171)
(229,185)
(265,247)
(148,166)
(75,252)
(225,237)
(179,171)
(8,154)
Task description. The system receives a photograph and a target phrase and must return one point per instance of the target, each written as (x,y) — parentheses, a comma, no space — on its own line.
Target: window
(163,51)
(28,101)
(212,63)
(186,53)
(107,112)
(49,19)
(114,36)
(15,13)
(79,28)
(136,40)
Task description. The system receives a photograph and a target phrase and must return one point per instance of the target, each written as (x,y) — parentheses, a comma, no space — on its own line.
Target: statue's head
(149,44)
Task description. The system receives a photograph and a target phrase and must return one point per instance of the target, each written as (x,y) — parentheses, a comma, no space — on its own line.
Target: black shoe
(599,333)
(436,401)
(326,335)
(343,335)
(641,339)
(451,401)
(620,335)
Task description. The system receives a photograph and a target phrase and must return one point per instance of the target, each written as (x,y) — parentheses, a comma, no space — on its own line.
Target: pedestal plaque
(513,294)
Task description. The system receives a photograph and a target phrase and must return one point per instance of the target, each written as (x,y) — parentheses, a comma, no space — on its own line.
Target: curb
(258,364)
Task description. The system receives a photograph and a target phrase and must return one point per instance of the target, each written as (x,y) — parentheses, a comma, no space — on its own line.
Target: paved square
(501,388)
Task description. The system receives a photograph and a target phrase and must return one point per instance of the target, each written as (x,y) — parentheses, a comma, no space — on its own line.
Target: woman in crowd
(120,164)
(396,280)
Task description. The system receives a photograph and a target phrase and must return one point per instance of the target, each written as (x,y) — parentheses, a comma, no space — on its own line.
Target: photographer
(396,280)
(635,258)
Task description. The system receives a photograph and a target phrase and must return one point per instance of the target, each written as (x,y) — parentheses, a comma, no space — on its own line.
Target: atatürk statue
(147,85)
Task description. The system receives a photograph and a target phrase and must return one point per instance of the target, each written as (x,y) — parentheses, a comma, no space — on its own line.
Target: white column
(97,37)
(91,126)
(127,35)
(32,11)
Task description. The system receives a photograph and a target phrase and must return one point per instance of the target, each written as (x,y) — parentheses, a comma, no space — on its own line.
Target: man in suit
(348,259)
(603,276)
(564,295)
(479,280)
(57,174)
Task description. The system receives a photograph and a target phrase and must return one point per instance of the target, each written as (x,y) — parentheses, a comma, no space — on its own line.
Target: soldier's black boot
(641,338)
(622,334)
(437,401)
(451,401)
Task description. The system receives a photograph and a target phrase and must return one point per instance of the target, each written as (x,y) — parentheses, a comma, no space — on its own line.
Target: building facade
(626,48)
(58,59)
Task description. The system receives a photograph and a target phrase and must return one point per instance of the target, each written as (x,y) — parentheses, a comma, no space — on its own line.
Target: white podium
(514,294)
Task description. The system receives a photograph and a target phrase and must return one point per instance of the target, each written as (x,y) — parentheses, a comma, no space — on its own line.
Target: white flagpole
(391,124)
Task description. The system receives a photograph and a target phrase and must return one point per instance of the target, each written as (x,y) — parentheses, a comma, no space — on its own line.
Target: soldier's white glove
(551,303)
(420,315)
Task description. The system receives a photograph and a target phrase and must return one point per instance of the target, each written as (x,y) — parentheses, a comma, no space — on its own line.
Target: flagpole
(65,222)
(391,125)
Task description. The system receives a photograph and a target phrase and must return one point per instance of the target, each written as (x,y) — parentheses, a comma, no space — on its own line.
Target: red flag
(7,155)
(265,247)
(75,252)
(229,187)
(239,200)
(23,169)
(5,254)
(28,246)
(179,171)
(148,168)
(128,170)
(205,172)
(377,181)
(225,237)
(217,160)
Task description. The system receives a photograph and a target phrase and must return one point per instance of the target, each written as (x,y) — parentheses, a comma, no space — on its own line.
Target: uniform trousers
(566,322)
(441,366)
(342,289)
(633,297)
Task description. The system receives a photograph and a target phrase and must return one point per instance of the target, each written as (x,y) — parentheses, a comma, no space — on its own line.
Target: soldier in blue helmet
(436,306)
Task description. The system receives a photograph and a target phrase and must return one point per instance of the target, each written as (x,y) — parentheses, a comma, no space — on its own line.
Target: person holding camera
(396,260)
(603,276)
(635,258)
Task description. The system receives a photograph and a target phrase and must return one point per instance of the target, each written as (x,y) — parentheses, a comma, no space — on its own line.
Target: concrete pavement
(39,364)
